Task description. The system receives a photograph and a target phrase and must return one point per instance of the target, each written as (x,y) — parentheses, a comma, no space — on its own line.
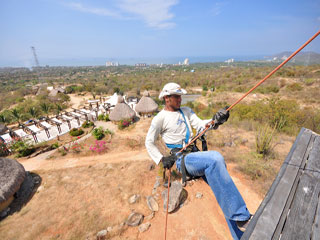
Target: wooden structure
(291,208)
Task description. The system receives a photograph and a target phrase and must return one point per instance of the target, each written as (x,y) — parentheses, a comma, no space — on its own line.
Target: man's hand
(221,117)
(168,161)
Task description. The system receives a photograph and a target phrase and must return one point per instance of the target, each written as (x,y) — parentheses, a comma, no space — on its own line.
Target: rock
(134,219)
(152,204)
(109,229)
(154,191)
(66,178)
(149,217)
(199,195)
(156,184)
(40,189)
(144,227)
(151,167)
(177,195)
(134,198)
(102,235)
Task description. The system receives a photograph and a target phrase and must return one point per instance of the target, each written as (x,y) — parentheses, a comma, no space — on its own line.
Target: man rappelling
(174,124)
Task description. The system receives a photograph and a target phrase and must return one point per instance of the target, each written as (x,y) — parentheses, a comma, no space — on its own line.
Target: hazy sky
(154,28)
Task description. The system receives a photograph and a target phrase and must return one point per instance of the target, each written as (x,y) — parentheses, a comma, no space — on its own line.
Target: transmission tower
(35,56)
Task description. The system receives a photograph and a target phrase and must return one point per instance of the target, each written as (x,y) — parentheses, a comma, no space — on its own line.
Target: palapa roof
(146,104)
(3,128)
(12,174)
(146,93)
(121,111)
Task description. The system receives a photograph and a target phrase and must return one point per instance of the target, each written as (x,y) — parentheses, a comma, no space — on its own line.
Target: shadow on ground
(23,195)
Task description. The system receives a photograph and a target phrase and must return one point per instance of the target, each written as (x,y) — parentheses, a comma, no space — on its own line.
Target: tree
(45,108)
(58,109)
(33,112)
(16,115)
(3,119)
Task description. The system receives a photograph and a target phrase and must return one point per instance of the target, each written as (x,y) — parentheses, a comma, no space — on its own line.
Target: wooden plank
(316,224)
(302,213)
(300,220)
(265,220)
(313,163)
(284,214)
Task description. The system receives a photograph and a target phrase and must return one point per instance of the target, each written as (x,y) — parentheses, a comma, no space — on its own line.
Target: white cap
(171,89)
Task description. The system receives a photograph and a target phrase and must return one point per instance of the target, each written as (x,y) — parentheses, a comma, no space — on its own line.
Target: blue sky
(83,29)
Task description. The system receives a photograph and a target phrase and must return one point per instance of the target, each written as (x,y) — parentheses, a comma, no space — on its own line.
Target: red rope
(258,84)
(165,230)
(212,122)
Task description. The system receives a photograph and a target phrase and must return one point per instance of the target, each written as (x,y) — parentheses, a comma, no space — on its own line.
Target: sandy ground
(197,219)
(76,101)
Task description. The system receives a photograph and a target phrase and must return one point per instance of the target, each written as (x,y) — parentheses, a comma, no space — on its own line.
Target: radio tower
(35,56)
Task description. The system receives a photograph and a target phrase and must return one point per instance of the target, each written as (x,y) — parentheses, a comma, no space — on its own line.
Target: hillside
(305,58)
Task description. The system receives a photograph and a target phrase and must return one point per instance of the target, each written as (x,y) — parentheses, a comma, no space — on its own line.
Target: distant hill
(301,58)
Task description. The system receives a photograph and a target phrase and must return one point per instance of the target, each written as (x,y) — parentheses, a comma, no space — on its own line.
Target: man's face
(173,102)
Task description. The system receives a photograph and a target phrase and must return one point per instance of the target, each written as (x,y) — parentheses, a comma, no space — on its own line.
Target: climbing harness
(212,123)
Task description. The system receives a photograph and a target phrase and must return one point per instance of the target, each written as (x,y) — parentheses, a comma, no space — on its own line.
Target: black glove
(168,161)
(221,116)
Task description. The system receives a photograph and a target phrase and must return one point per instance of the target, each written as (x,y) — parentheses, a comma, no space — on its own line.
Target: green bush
(294,87)
(106,117)
(22,148)
(55,145)
(108,132)
(3,149)
(103,117)
(268,89)
(124,123)
(264,138)
(98,133)
(204,88)
(309,81)
(76,132)
(87,124)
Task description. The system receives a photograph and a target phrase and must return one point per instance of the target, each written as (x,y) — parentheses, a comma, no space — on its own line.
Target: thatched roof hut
(121,111)
(3,128)
(146,104)
(12,174)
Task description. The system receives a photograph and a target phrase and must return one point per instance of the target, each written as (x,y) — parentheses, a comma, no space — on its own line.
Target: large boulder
(12,175)
(177,196)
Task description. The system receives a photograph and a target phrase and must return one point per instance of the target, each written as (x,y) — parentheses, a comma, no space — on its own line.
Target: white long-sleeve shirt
(172,128)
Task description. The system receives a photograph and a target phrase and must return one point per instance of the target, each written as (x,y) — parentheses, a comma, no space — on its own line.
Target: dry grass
(76,203)
(238,146)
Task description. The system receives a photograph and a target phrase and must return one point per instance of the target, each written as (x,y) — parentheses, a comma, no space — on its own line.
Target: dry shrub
(264,140)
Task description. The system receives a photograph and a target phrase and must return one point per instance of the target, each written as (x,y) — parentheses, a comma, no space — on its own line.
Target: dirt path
(114,157)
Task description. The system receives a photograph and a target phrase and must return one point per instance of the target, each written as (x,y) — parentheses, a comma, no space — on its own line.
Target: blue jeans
(211,167)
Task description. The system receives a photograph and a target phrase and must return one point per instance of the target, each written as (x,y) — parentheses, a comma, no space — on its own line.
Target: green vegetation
(264,140)
(87,124)
(103,117)
(76,132)
(99,133)
(22,148)
(124,123)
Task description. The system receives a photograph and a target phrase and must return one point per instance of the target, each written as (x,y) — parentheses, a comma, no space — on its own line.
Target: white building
(114,64)
(231,60)
(186,61)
